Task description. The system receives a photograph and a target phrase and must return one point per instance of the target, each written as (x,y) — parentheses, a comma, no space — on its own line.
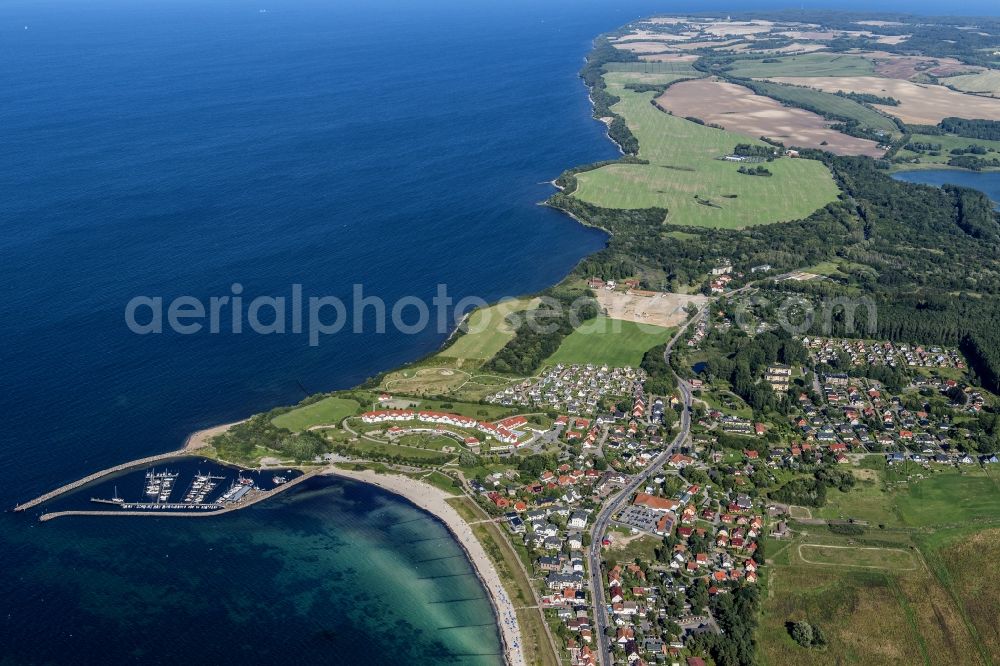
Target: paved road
(612,506)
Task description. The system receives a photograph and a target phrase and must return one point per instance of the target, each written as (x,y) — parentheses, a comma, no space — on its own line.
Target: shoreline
(423,495)
(195,441)
(267,494)
(433,501)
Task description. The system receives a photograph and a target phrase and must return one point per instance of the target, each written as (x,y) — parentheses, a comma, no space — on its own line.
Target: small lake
(984,181)
(699,367)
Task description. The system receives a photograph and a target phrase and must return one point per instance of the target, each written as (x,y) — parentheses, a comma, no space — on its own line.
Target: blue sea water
(170,148)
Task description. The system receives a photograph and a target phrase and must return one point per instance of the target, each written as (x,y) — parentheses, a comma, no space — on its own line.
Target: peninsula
(761,425)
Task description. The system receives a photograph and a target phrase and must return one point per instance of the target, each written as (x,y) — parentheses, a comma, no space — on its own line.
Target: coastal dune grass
(685,175)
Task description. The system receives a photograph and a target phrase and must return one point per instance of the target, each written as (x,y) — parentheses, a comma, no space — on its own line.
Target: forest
(928,257)
(540,331)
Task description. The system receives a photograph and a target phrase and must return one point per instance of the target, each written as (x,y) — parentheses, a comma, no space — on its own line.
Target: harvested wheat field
(891,39)
(918,103)
(811,35)
(740,110)
(750,28)
(668,57)
(644,47)
(647,35)
(906,67)
(690,46)
(796,47)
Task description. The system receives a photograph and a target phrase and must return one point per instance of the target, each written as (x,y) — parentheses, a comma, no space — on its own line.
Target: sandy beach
(199,439)
(431,499)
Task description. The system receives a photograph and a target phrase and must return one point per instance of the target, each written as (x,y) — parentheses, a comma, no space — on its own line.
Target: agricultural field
(488,331)
(328,411)
(830,103)
(983,83)
(912,67)
(950,497)
(947,143)
(620,79)
(676,69)
(922,104)
(739,109)
(686,177)
(613,342)
(807,64)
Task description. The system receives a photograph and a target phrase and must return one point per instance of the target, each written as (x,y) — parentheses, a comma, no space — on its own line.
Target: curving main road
(612,506)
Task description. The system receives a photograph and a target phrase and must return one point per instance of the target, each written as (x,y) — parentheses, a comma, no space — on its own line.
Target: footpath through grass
(917,585)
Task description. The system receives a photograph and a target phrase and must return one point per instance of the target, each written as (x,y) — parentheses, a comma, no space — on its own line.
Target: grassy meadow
(808,64)
(328,411)
(685,176)
(488,331)
(917,585)
(947,143)
(984,83)
(613,342)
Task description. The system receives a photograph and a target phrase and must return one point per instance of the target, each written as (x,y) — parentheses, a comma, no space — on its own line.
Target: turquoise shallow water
(333,571)
(173,147)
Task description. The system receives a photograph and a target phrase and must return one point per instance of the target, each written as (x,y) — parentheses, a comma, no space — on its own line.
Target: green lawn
(330,410)
(470,409)
(488,330)
(947,142)
(818,100)
(613,342)
(685,176)
(808,64)
(425,440)
(363,448)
